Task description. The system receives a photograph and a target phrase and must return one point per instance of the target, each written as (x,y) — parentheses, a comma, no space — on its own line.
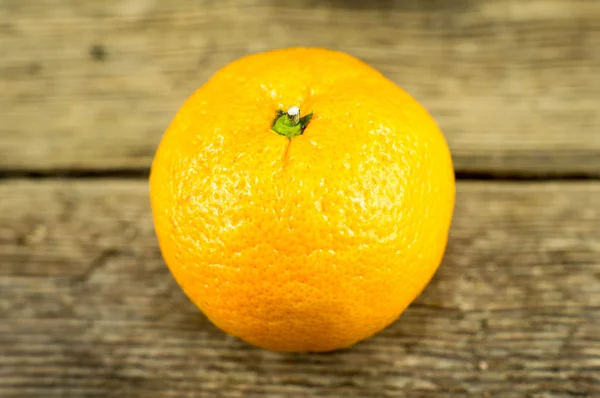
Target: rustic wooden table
(88,307)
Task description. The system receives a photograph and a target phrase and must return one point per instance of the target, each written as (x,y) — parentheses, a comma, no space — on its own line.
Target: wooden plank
(92,85)
(89,309)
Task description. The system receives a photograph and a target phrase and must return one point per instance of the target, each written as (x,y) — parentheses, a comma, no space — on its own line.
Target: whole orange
(302,234)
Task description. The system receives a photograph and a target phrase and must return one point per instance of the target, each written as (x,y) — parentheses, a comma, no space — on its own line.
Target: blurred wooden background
(88,307)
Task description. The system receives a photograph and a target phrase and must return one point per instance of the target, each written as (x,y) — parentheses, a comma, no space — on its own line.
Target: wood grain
(88,308)
(92,85)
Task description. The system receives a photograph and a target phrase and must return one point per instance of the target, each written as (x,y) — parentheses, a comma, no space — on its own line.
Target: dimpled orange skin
(311,243)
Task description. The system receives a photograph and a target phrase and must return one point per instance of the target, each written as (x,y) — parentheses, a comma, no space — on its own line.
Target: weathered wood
(92,85)
(89,309)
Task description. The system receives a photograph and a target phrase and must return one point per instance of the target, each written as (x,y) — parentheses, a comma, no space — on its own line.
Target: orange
(315,239)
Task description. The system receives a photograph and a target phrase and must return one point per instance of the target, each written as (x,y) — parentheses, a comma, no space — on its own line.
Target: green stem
(289,123)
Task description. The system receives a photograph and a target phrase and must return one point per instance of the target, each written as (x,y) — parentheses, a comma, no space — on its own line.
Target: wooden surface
(92,85)
(87,306)
(89,309)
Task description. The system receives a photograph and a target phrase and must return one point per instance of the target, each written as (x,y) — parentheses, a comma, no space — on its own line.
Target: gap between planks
(143,173)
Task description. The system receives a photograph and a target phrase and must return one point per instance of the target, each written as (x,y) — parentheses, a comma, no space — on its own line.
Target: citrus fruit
(301,199)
